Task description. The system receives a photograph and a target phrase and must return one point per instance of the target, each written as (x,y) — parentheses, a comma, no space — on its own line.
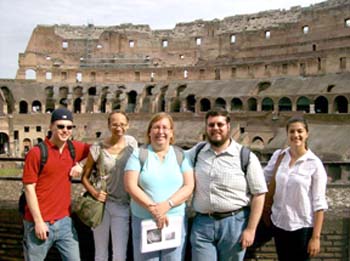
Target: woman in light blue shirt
(300,197)
(158,188)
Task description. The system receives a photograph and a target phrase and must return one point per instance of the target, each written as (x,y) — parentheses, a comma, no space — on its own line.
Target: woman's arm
(131,186)
(85,180)
(314,243)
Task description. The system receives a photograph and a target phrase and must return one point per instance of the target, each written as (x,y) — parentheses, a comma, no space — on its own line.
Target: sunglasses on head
(62,126)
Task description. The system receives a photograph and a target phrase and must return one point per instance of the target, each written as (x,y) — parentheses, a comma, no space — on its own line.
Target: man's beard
(218,143)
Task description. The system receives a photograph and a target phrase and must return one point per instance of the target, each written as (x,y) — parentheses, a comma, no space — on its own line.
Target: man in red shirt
(47,219)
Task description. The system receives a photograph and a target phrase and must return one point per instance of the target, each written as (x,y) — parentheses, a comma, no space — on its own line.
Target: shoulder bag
(87,208)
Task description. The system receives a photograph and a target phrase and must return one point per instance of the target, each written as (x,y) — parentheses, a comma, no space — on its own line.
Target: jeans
(115,220)
(171,254)
(62,235)
(218,239)
(292,245)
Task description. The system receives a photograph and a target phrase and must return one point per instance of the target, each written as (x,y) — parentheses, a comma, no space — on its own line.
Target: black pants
(292,245)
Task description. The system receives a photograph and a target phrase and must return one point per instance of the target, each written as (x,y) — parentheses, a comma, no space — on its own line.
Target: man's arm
(41,229)
(256,209)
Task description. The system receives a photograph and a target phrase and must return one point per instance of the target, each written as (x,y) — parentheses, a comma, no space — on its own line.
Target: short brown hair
(157,117)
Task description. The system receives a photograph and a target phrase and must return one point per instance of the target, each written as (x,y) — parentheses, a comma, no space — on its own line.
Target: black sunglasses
(62,126)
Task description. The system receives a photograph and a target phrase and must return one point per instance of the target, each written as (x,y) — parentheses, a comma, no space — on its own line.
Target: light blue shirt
(158,179)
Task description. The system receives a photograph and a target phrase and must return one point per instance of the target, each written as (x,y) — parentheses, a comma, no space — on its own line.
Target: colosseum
(262,67)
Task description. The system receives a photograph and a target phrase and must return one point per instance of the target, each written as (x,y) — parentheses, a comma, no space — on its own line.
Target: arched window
(236,104)
(321,105)
(220,103)
(267,104)
(23,107)
(303,104)
(191,103)
(284,104)
(340,104)
(205,105)
(30,74)
(36,106)
(132,95)
(252,104)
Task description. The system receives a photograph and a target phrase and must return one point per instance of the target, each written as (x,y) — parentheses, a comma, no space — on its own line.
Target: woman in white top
(116,150)
(300,196)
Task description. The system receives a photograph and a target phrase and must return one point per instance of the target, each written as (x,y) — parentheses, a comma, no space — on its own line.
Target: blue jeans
(62,235)
(171,254)
(213,239)
(115,222)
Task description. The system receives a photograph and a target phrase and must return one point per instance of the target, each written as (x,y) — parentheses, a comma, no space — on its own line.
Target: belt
(221,215)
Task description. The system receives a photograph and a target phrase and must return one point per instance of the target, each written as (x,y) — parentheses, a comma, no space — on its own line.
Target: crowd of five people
(160,182)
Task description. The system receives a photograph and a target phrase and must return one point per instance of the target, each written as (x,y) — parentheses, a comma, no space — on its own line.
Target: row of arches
(340,104)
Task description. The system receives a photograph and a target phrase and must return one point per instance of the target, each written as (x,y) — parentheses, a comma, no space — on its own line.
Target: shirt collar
(309,155)
(233,149)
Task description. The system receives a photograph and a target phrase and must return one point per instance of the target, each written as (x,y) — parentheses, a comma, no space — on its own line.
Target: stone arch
(161,99)
(77,105)
(116,105)
(252,104)
(303,104)
(191,103)
(284,104)
(236,104)
(147,100)
(340,104)
(30,74)
(321,104)
(132,95)
(23,107)
(63,92)
(103,101)
(257,142)
(78,91)
(205,104)
(220,103)
(10,101)
(267,104)
(4,143)
(50,102)
(175,105)
(91,99)
(36,106)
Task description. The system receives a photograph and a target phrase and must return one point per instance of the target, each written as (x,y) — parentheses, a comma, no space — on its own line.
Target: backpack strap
(71,149)
(43,155)
(199,147)
(244,155)
(179,153)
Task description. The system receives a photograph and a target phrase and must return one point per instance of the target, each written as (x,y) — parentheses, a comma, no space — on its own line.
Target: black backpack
(43,159)
(244,156)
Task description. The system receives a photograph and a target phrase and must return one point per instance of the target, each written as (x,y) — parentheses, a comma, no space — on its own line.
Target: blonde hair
(157,117)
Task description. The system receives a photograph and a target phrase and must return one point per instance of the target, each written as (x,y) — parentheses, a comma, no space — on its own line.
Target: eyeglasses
(219,124)
(62,126)
(122,125)
(158,128)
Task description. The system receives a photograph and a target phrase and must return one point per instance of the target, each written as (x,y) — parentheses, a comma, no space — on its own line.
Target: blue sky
(19,17)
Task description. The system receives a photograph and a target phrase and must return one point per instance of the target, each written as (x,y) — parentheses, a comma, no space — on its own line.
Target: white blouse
(300,190)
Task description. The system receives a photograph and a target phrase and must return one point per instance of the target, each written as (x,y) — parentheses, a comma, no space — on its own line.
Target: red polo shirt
(53,186)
